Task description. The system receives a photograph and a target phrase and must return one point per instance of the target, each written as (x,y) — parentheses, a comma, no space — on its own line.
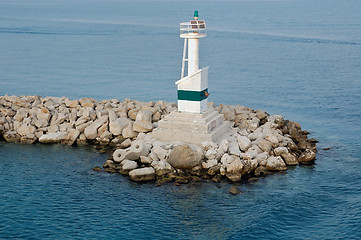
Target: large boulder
(71,137)
(53,137)
(184,157)
(142,174)
(91,131)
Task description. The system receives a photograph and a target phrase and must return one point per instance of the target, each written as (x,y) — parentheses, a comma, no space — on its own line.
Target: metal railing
(188,27)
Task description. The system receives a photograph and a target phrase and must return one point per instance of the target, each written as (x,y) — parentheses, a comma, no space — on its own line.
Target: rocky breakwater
(258,143)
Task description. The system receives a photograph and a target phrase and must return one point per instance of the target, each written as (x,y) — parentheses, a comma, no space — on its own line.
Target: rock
(223,147)
(82,127)
(156,116)
(91,132)
(275,164)
(71,104)
(29,139)
(211,153)
(7,112)
(11,136)
(184,157)
(101,112)
(213,170)
(261,114)
(257,134)
(21,114)
(71,137)
(229,114)
(307,157)
(262,157)
(265,145)
(116,141)
(160,152)
(53,129)
(144,115)
(132,114)
(272,139)
(234,191)
(116,127)
(162,167)
(226,159)
(145,160)
(206,145)
(280,151)
(128,165)
(97,169)
(53,137)
(142,174)
(142,126)
(209,163)
(153,156)
(89,113)
(290,159)
(126,143)
(234,177)
(235,167)
(81,141)
(261,171)
(25,130)
(244,143)
(87,102)
(277,119)
(128,131)
(233,148)
(252,152)
(103,130)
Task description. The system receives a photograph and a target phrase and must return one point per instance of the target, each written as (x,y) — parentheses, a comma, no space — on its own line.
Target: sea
(297,58)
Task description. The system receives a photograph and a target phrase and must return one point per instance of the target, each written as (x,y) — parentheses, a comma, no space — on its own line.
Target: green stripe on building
(192,95)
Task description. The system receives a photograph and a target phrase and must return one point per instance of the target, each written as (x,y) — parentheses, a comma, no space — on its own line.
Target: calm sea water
(300,59)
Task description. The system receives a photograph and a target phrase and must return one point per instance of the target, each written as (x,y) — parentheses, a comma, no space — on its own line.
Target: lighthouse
(194,122)
(193,88)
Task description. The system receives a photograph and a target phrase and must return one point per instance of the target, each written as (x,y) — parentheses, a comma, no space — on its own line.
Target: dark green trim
(192,95)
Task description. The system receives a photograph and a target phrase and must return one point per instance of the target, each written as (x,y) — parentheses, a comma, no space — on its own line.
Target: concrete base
(192,127)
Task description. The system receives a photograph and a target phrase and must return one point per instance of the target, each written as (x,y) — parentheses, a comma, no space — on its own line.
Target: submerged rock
(234,191)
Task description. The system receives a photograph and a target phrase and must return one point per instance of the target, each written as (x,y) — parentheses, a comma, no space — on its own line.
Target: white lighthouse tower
(193,122)
(193,88)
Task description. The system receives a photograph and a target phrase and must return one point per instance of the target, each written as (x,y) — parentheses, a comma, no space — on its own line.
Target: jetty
(256,144)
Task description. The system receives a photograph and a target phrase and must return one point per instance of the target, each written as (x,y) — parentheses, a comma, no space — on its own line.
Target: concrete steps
(192,127)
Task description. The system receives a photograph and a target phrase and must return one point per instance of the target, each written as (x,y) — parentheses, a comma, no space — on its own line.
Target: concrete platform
(192,127)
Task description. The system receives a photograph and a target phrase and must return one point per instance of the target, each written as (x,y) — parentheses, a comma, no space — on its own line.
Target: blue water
(300,59)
